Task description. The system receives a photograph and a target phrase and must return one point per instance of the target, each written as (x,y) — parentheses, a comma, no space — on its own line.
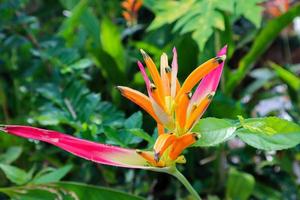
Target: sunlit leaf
(213,131)
(270,133)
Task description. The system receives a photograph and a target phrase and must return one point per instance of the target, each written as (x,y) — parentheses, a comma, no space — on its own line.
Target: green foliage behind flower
(61,60)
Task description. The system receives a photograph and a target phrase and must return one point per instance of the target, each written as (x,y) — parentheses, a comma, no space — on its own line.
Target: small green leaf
(53,176)
(239,185)
(141,134)
(213,131)
(11,155)
(270,133)
(134,121)
(15,175)
(114,136)
(80,64)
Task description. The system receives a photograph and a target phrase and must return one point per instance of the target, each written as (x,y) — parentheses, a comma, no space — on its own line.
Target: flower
(131,8)
(174,107)
(276,8)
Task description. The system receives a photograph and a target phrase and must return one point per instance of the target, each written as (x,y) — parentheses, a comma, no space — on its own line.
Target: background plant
(57,57)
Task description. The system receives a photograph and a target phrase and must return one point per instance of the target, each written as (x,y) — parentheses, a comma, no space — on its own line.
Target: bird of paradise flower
(174,107)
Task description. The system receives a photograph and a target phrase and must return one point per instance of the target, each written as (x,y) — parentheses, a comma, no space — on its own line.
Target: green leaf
(114,136)
(15,175)
(80,64)
(66,191)
(11,155)
(53,176)
(197,15)
(69,25)
(111,42)
(270,133)
(239,185)
(134,121)
(288,77)
(251,10)
(262,42)
(142,134)
(165,11)
(213,131)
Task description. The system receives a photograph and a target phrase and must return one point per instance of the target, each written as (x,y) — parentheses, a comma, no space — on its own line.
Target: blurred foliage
(57,57)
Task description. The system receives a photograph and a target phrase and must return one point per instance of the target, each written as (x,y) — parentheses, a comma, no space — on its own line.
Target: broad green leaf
(165,11)
(52,176)
(197,15)
(239,185)
(11,155)
(288,77)
(251,10)
(270,133)
(66,191)
(15,175)
(111,42)
(134,121)
(213,131)
(262,42)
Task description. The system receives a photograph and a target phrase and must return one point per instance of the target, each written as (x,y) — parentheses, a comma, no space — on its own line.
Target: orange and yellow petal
(182,143)
(140,99)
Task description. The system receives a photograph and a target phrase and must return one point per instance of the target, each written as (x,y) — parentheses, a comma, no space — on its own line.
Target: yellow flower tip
(220,59)
(144,54)
(120,88)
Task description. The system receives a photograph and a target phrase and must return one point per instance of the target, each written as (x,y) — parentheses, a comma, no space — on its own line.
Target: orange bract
(131,8)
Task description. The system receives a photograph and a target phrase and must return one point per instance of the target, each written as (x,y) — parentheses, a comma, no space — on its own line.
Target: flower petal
(198,74)
(140,99)
(154,98)
(209,83)
(163,73)
(99,153)
(174,74)
(154,73)
(152,90)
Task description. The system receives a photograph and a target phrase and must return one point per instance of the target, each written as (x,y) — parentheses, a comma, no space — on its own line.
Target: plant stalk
(174,171)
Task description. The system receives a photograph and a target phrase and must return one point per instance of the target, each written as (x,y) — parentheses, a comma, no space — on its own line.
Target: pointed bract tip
(120,88)
(174,50)
(220,59)
(140,64)
(223,51)
(144,54)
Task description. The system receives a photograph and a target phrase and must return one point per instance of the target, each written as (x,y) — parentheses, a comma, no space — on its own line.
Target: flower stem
(174,171)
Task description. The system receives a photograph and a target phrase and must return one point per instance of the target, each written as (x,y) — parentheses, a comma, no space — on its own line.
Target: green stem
(174,171)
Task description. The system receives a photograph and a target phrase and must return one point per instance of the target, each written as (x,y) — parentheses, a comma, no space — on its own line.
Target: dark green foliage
(61,60)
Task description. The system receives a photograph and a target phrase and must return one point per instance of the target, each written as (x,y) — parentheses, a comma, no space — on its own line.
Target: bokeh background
(61,60)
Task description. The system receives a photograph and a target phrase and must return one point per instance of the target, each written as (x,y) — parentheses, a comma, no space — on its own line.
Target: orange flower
(276,8)
(173,106)
(131,8)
